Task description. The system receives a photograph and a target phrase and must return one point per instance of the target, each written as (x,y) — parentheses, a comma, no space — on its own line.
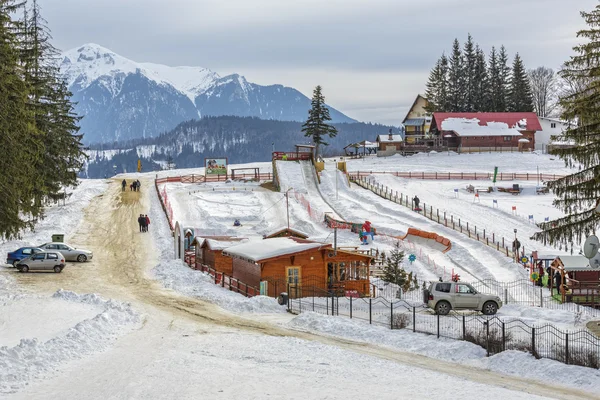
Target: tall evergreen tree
(393,271)
(481,83)
(496,91)
(520,99)
(316,126)
(504,83)
(456,87)
(19,140)
(436,90)
(469,67)
(578,193)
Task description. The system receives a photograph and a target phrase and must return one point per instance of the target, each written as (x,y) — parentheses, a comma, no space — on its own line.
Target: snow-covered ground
(152,328)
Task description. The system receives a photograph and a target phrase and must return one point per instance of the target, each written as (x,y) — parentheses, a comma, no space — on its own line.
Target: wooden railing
(501,176)
(198,178)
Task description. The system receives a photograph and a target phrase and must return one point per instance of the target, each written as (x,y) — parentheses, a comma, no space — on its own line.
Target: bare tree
(544,90)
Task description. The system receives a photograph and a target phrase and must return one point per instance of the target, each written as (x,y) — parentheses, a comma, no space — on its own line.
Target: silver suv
(446,296)
(46,261)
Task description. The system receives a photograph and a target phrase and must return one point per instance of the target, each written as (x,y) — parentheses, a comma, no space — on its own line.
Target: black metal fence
(495,334)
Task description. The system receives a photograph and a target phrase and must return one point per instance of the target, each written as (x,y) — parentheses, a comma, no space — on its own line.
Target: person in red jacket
(147,222)
(368,229)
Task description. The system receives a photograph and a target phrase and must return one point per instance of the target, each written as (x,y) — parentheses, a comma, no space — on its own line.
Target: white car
(45,261)
(70,253)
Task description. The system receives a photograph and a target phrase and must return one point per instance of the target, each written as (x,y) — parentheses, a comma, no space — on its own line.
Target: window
(27,251)
(553,125)
(463,289)
(52,256)
(507,138)
(39,256)
(63,247)
(442,287)
(52,246)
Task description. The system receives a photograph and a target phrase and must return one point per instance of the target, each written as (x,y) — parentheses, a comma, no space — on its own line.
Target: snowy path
(187,347)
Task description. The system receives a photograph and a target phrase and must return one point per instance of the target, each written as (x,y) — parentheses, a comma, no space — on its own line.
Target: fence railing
(228,282)
(493,333)
(443,218)
(501,176)
(198,178)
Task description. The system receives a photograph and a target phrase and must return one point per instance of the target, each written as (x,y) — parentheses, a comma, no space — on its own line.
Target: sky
(372,57)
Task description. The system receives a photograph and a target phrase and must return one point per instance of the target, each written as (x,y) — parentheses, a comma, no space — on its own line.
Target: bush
(583,358)
(494,342)
(400,321)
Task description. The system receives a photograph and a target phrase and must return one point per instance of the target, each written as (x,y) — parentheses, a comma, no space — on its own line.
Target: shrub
(400,321)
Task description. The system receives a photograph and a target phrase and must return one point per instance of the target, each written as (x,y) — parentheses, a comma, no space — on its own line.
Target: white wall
(550,127)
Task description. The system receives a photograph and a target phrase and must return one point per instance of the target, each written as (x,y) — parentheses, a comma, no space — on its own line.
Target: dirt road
(123,256)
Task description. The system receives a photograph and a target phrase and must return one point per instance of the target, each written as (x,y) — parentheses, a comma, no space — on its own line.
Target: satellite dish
(590,247)
(595,261)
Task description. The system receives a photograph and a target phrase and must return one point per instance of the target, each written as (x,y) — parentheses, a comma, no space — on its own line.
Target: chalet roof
(292,231)
(576,263)
(472,127)
(414,122)
(364,143)
(413,106)
(270,248)
(215,244)
(512,119)
(386,138)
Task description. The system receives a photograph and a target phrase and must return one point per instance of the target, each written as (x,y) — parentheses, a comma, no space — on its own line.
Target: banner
(215,166)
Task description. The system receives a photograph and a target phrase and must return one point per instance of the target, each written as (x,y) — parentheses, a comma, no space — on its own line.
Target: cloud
(379,45)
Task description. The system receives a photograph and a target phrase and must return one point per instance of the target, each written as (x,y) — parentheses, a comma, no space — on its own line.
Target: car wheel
(489,308)
(24,268)
(15,263)
(57,269)
(442,308)
(81,258)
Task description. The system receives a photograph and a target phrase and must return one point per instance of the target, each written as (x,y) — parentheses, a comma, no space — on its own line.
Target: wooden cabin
(285,232)
(209,252)
(581,281)
(301,267)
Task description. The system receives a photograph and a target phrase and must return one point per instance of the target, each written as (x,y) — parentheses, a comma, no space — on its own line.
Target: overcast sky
(370,56)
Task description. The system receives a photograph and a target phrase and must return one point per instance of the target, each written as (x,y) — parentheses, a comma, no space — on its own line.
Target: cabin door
(293,281)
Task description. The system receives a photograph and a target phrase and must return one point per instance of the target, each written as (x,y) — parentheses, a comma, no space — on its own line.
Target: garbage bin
(58,237)
(283,299)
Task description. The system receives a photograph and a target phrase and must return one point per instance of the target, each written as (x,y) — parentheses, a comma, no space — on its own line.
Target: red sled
(417,209)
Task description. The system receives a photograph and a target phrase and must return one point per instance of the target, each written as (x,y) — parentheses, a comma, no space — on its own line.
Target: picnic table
(515,189)
(542,190)
(478,189)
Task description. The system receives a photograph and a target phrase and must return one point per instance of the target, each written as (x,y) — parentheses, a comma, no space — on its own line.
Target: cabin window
(553,125)
(507,138)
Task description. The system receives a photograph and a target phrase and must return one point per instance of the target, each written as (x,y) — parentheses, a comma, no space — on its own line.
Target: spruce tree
(504,83)
(393,271)
(481,83)
(456,87)
(316,126)
(432,87)
(520,99)
(577,194)
(469,66)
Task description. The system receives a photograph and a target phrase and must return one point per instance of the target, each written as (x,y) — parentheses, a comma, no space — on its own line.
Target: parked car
(24,252)
(446,296)
(70,253)
(45,261)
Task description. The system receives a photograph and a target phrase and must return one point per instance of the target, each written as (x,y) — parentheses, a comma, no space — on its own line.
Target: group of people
(135,185)
(143,222)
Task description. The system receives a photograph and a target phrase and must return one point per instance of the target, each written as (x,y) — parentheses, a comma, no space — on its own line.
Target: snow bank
(176,275)
(513,363)
(34,358)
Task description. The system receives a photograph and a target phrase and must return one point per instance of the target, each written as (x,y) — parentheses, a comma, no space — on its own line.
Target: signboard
(352,293)
(215,166)
(139,165)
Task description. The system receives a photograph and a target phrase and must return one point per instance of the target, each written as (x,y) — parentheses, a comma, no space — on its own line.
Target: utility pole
(335,241)
(336,179)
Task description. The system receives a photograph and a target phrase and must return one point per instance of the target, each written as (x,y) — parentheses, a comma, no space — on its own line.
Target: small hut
(209,252)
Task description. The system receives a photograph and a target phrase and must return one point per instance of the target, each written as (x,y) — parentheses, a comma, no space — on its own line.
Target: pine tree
(19,139)
(496,91)
(393,271)
(520,99)
(481,84)
(469,66)
(504,83)
(578,193)
(456,88)
(436,90)
(316,126)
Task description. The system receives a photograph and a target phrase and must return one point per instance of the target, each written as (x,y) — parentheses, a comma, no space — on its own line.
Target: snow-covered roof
(471,127)
(256,251)
(523,120)
(386,138)
(215,244)
(291,230)
(575,263)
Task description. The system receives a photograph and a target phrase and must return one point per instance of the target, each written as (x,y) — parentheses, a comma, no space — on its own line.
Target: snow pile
(34,358)
(513,363)
(176,275)
(562,319)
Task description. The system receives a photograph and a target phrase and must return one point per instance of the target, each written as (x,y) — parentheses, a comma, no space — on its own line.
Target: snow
(257,251)
(471,127)
(386,139)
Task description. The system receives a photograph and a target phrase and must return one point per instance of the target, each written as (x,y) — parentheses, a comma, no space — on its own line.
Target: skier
(416,202)
(123,185)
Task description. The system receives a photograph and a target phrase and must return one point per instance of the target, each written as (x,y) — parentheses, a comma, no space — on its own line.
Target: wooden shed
(581,282)
(209,252)
(301,267)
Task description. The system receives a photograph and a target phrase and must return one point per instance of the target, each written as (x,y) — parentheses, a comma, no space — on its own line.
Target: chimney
(391,137)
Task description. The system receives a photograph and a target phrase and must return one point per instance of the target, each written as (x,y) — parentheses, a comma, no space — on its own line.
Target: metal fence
(493,333)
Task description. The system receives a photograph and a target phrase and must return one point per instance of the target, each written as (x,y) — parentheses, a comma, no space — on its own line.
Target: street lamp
(516,246)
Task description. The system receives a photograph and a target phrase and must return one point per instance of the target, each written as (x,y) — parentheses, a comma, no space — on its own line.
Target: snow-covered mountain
(121,99)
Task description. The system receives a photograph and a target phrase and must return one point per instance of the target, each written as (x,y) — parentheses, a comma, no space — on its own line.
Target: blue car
(24,252)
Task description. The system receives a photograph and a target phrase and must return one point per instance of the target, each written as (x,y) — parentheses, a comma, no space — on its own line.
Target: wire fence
(493,333)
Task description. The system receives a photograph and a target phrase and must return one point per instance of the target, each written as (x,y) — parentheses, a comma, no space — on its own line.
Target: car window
(63,247)
(462,289)
(443,287)
(53,256)
(27,251)
(51,246)
(39,256)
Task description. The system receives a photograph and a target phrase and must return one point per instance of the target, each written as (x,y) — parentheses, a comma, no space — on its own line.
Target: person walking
(137,185)
(147,221)
(140,222)
(123,185)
